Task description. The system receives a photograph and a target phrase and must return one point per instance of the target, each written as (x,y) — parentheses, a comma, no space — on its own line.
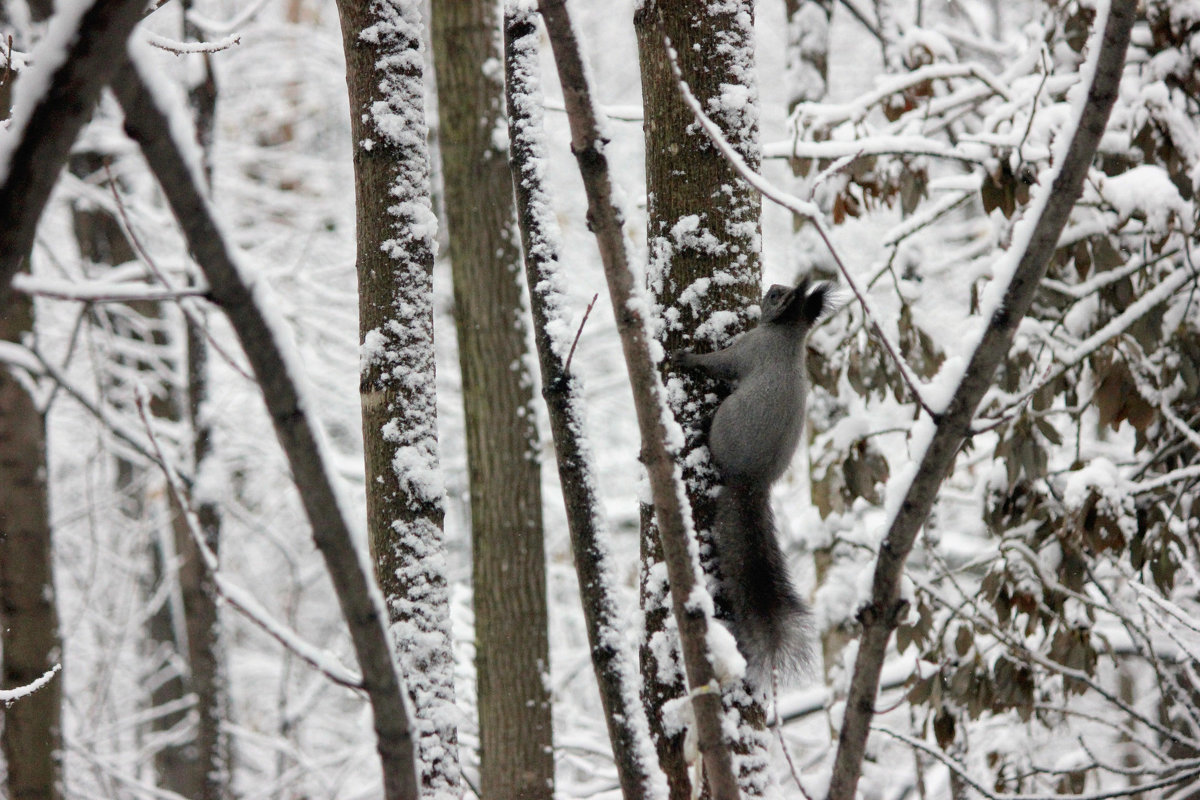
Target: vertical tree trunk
(32,739)
(396,229)
(29,636)
(703,241)
(512,651)
(208,679)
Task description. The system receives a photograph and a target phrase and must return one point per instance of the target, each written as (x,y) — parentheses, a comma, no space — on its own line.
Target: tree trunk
(512,651)
(396,230)
(32,740)
(29,636)
(615,675)
(702,237)
(197,583)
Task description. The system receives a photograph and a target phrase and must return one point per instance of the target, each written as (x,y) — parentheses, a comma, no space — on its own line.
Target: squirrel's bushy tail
(768,618)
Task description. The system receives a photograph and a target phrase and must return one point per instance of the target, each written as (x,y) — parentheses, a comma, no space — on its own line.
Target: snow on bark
(8,696)
(554,336)
(396,246)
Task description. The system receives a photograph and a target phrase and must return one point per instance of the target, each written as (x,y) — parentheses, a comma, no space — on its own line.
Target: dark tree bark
(512,653)
(29,637)
(148,124)
(693,618)
(32,738)
(396,227)
(627,728)
(1037,243)
(702,235)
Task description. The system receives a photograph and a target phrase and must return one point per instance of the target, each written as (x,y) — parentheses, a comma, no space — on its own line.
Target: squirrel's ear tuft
(817,303)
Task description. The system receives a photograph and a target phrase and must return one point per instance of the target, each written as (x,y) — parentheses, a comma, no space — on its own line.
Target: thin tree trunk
(205,656)
(628,730)
(702,235)
(396,228)
(689,600)
(512,654)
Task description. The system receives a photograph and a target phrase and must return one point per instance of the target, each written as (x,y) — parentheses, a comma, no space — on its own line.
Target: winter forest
(349,446)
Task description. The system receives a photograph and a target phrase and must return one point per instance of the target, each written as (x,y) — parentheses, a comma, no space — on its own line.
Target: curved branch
(82,50)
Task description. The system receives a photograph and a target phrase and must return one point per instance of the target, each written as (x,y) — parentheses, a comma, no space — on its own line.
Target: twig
(8,696)
(187,48)
(567,366)
(232,594)
(33,362)
(99,291)
(961,771)
(1115,327)
(162,278)
(800,208)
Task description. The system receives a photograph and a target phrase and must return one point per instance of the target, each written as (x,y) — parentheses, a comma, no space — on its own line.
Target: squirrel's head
(798,305)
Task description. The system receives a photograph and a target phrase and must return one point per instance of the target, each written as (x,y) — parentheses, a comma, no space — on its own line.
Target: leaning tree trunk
(702,236)
(512,652)
(396,229)
(29,636)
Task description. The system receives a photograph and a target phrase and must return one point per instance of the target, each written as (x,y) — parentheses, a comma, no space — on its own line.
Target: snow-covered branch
(803,210)
(1034,244)
(13,695)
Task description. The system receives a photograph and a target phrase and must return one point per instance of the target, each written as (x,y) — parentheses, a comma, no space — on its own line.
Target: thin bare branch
(805,210)
(238,598)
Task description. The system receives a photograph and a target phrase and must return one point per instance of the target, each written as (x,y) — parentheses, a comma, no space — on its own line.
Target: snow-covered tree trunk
(546,276)
(396,230)
(705,275)
(512,652)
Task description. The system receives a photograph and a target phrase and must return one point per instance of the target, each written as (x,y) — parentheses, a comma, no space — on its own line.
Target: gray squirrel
(752,439)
